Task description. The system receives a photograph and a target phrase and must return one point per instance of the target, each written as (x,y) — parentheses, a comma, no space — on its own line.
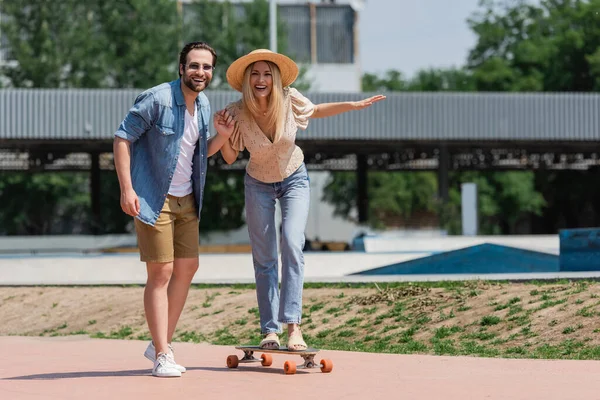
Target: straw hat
(287,67)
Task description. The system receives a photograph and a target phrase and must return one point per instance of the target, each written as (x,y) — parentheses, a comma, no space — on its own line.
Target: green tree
(437,80)
(504,200)
(141,41)
(44,38)
(391,81)
(223,205)
(426,80)
(393,196)
(63,208)
(553,45)
(90,44)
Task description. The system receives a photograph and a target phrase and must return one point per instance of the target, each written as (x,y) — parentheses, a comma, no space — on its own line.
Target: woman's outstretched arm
(324,110)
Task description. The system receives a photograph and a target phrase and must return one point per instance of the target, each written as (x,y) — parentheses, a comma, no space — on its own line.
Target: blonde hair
(275,103)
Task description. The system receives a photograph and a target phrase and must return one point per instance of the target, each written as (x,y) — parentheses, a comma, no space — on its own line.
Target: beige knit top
(272,162)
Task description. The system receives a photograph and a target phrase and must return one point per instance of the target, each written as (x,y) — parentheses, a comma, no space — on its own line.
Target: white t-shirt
(181,185)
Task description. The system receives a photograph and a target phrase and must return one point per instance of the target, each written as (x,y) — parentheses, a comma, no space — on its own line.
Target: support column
(443,179)
(313,33)
(95,192)
(362,200)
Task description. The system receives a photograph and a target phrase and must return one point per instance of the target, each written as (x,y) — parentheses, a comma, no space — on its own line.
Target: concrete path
(81,368)
(77,269)
(121,269)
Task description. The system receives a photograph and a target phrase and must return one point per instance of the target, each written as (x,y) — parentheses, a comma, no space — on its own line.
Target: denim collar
(179,99)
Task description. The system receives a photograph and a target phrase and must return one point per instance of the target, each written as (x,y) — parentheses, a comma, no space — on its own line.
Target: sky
(408,35)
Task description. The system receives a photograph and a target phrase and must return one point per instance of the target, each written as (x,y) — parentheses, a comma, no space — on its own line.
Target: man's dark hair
(193,46)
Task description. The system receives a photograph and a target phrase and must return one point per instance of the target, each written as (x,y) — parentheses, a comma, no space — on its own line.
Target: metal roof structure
(54,129)
(81,114)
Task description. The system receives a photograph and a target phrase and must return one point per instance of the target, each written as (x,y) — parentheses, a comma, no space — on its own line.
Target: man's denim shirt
(154,126)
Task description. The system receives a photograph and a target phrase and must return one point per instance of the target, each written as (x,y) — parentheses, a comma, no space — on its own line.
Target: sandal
(270,342)
(296,342)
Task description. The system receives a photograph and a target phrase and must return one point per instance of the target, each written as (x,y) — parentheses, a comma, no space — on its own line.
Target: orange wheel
(267,360)
(326,365)
(289,367)
(232,361)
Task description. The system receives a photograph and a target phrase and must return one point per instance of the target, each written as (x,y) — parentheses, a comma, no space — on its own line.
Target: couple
(160,152)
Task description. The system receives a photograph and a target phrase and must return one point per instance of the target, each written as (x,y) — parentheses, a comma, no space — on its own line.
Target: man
(160,153)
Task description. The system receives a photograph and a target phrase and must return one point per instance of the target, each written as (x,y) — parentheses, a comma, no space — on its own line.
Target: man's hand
(224,123)
(130,204)
(359,105)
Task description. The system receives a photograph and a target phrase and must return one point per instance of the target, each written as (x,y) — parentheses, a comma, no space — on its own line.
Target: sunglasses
(197,67)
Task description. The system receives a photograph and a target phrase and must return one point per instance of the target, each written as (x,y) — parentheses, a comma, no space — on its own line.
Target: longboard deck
(289,367)
(281,350)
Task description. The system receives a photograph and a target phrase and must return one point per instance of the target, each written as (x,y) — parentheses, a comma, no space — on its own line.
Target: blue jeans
(294,195)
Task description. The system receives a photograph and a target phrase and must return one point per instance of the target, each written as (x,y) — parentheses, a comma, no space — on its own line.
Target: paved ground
(81,368)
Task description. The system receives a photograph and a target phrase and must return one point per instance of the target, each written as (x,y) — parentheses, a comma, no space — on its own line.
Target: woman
(266,121)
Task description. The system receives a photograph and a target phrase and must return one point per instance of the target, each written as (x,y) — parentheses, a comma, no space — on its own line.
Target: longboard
(289,367)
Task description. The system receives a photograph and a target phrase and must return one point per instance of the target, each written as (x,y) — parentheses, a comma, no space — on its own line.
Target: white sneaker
(151,351)
(164,368)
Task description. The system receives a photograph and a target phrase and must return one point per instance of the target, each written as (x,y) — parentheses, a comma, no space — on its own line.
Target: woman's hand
(359,105)
(224,123)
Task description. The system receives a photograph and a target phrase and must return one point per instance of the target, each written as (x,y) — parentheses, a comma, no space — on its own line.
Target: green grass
(426,318)
(124,332)
(490,320)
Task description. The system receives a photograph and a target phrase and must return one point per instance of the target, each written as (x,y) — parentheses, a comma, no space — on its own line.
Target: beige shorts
(175,234)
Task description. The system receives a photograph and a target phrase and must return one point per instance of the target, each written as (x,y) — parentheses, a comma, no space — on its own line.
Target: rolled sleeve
(139,118)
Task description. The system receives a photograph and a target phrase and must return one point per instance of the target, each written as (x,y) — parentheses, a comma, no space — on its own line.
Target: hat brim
(287,68)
